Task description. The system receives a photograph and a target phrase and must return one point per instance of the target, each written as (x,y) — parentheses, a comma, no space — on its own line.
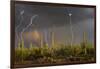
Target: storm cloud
(56,18)
(48,16)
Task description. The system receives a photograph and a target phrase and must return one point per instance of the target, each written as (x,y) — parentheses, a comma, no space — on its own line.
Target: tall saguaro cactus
(41,40)
(84,41)
(52,38)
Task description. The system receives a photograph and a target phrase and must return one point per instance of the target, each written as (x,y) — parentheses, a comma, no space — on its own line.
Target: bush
(54,54)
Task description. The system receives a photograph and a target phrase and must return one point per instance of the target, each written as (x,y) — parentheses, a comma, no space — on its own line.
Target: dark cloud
(54,19)
(49,16)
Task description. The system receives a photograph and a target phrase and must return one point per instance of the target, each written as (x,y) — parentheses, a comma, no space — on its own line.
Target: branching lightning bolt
(33,17)
(21,13)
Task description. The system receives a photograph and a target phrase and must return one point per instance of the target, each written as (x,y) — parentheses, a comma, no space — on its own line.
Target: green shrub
(54,54)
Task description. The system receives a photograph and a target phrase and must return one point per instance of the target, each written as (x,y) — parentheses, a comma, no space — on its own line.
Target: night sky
(32,20)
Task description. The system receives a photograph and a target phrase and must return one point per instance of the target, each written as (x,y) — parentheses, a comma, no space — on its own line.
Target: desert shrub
(21,54)
(63,52)
(91,52)
(55,53)
(18,54)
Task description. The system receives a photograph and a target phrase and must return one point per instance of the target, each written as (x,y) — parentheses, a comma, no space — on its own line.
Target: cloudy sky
(33,20)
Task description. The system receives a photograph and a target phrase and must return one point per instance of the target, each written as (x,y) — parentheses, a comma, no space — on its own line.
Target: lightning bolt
(33,17)
(21,14)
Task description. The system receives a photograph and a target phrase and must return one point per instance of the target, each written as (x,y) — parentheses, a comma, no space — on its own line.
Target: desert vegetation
(54,54)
